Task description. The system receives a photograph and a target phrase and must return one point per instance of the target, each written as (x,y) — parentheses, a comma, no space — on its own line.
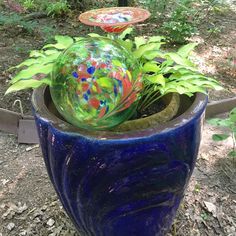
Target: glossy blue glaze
(128,184)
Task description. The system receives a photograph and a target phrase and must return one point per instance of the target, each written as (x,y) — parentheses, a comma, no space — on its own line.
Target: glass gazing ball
(96,84)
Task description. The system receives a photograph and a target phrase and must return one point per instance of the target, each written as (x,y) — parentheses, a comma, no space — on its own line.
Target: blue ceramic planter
(120,184)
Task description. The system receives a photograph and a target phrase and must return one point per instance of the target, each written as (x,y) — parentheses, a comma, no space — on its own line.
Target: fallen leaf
(211,208)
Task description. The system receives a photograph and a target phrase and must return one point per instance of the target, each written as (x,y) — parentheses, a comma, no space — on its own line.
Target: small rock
(50,222)
(23,233)
(37,220)
(13,209)
(230,230)
(54,203)
(4,181)
(10,226)
(205,156)
(37,213)
(44,208)
(21,208)
(8,215)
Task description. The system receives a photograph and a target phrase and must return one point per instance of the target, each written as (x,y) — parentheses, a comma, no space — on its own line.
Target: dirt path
(216,54)
(29,206)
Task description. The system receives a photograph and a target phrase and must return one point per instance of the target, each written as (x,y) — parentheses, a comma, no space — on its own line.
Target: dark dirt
(148,111)
(28,203)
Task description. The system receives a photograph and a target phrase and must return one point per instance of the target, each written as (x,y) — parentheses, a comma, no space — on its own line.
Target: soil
(152,109)
(28,203)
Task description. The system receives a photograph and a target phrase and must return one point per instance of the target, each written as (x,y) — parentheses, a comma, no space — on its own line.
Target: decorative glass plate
(114,19)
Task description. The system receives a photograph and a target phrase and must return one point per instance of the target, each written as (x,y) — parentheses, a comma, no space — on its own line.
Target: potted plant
(128,180)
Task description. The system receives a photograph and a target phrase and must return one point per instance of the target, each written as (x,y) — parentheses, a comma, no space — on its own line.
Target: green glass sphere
(96,84)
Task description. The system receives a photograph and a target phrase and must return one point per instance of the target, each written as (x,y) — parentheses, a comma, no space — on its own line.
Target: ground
(28,203)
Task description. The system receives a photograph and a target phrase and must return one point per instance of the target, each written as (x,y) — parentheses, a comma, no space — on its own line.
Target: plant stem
(150,102)
(154,100)
(147,98)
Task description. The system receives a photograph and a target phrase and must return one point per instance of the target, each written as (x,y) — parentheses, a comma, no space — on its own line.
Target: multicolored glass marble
(114,19)
(96,84)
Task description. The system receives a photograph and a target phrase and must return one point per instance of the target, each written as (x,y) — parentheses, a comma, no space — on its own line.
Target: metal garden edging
(25,129)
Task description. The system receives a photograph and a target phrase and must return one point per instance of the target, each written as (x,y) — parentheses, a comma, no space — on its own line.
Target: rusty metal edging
(9,121)
(24,126)
(218,107)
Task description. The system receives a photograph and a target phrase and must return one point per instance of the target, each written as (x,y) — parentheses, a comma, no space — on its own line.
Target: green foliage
(36,70)
(166,72)
(91,4)
(58,8)
(220,137)
(213,30)
(157,8)
(29,5)
(204,216)
(175,18)
(178,29)
(16,20)
(48,33)
(230,123)
(180,25)
(180,19)
(52,8)
(172,72)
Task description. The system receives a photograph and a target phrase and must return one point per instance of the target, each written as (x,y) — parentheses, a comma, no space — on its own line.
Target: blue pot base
(127,184)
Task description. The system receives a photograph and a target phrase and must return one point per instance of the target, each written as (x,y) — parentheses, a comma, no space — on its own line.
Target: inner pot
(178,110)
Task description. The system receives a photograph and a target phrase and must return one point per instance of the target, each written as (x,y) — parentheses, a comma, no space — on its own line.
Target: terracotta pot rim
(42,112)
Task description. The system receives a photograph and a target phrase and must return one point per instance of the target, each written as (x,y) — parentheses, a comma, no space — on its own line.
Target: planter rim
(41,111)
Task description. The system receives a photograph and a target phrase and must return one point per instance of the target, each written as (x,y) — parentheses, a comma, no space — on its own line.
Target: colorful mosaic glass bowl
(114,19)
(96,84)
